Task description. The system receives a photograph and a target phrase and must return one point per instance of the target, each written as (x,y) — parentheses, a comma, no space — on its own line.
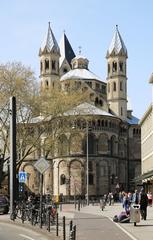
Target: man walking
(143,204)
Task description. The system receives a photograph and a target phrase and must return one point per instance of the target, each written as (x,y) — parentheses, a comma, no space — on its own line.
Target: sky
(89,24)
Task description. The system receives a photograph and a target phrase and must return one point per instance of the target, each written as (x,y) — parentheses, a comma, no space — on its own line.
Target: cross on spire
(80,48)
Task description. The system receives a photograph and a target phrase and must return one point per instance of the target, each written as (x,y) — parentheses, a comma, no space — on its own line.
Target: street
(16,232)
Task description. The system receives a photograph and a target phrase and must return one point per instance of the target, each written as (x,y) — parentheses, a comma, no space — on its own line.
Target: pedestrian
(110,198)
(143,204)
(126,202)
(135,197)
(149,194)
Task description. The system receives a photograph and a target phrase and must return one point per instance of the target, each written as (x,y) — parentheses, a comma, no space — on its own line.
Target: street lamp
(87,164)
(87,156)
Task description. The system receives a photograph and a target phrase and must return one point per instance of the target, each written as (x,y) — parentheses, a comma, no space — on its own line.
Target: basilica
(102,152)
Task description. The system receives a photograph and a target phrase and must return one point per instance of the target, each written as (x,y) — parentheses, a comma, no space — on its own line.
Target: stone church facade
(105,134)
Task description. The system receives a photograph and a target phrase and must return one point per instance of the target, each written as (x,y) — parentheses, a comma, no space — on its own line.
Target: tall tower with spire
(116,76)
(49,54)
(67,54)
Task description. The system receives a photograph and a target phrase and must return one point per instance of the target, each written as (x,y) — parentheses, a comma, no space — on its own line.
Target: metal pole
(56,224)
(41,190)
(64,230)
(71,225)
(87,166)
(75,196)
(12,156)
(74,232)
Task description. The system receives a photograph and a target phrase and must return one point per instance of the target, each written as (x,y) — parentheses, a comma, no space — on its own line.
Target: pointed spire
(117,45)
(50,42)
(66,50)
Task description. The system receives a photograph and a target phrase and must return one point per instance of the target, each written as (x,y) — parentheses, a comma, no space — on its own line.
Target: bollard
(74,232)
(81,203)
(64,232)
(22,215)
(40,218)
(60,207)
(49,220)
(71,225)
(56,224)
(78,205)
(32,216)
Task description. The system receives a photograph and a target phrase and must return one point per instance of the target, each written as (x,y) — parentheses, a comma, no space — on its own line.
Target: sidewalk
(143,230)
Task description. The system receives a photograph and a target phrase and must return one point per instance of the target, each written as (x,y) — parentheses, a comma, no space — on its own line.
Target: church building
(102,152)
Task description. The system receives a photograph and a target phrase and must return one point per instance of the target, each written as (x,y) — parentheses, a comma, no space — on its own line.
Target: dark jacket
(143,200)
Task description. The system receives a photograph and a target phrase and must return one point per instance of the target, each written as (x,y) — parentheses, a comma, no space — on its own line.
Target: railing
(29,213)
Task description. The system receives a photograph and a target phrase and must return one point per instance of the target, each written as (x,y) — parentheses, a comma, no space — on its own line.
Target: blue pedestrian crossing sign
(22,177)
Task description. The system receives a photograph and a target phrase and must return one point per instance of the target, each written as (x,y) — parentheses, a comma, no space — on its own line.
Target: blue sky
(89,24)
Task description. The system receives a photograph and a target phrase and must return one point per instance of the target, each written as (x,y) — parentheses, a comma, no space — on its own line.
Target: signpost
(13,183)
(41,165)
(22,177)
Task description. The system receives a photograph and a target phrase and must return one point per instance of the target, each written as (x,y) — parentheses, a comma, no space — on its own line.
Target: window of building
(46,64)
(100,102)
(96,101)
(46,83)
(97,85)
(108,68)
(62,179)
(102,123)
(90,166)
(103,143)
(125,87)
(121,111)
(91,179)
(89,83)
(121,86)
(41,66)
(114,67)
(103,89)
(77,84)
(65,70)
(67,86)
(114,86)
(53,65)
(106,123)
(91,96)
(121,66)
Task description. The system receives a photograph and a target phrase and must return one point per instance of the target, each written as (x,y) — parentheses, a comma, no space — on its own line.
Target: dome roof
(87,109)
(80,74)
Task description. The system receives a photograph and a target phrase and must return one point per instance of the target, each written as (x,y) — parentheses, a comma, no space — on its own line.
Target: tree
(19,81)
(39,114)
